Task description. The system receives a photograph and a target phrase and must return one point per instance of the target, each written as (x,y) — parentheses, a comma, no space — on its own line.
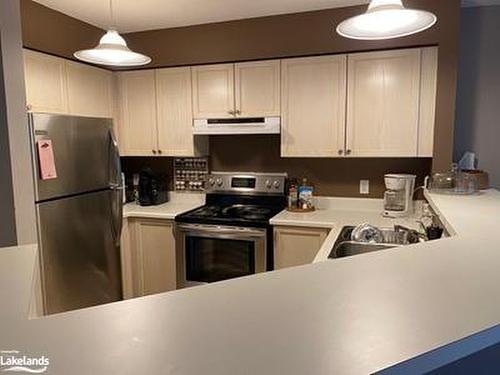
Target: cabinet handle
(154,151)
(349,152)
(341,152)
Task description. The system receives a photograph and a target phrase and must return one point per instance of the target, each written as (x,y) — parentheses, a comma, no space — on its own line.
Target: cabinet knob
(340,152)
(231,112)
(159,151)
(154,151)
(238,112)
(348,152)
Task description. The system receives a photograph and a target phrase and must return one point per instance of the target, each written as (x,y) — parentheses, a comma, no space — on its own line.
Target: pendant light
(112,50)
(386,19)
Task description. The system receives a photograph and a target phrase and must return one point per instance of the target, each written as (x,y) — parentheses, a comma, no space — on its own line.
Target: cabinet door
(89,90)
(295,246)
(428,84)
(154,245)
(383,103)
(137,127)
(257,88)
(213,91)
(46,86)
(313,106)
(128,261)
(175,114)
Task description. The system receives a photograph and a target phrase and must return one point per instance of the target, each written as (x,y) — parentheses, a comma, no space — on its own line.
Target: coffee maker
(152,188)
(398,198)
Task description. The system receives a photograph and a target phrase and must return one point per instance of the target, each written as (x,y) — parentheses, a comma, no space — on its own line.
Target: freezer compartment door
(83,154)
(80,253)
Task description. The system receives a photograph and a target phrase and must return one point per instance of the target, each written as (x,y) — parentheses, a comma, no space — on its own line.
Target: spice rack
(190,174)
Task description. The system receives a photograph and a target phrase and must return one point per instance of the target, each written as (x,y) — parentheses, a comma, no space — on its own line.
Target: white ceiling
(138,15)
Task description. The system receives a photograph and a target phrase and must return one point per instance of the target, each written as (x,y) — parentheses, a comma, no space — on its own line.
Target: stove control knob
(219,182)
(269,184)
(211,181)
(276,184)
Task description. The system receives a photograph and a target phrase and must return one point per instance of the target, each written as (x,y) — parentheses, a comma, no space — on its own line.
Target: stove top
(232,214)
(242,199)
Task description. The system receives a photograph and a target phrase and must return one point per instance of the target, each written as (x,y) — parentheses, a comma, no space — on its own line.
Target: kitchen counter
(354,315)
(178,204)
(335,213)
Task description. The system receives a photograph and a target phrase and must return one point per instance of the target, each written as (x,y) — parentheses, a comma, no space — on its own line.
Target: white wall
(15,113)
(477,126)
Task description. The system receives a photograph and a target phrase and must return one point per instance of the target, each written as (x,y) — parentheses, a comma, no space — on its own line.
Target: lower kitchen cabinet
(295,246)
(148,257)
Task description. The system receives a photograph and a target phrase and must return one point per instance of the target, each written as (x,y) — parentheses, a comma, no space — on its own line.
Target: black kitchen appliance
(152,188)
(230,236)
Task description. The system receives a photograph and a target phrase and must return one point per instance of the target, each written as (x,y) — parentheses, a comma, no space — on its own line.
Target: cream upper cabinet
(257,88)
(428,87)
(137,128)
(313,93)
(153,249)
(89,90)
(295,246)
(383,103)
(175,114)
(46,84)
(213,91)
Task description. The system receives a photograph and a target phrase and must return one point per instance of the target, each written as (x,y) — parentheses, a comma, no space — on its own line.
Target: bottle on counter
(135,183)
(293,195)
(305,192)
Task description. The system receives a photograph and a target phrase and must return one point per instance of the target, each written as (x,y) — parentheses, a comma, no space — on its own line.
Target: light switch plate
(364,186)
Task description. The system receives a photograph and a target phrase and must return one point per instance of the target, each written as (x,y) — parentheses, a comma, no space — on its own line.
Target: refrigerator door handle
(116,174)
(116,187)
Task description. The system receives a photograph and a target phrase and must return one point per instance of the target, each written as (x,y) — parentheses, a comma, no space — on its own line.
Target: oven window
(215,259)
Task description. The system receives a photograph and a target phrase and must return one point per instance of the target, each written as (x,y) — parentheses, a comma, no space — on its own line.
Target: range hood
(239,125)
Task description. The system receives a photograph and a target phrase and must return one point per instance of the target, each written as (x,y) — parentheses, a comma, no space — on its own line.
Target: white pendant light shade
(386,19)
(112,50)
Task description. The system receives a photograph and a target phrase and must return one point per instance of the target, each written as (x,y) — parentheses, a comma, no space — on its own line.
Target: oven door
(209,253)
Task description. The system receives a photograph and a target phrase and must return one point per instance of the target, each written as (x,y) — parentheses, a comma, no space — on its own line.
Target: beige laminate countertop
(178,203)
(399,311)
(335,213)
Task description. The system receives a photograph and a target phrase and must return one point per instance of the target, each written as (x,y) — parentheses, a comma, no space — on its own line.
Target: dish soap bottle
(305,195)
(293,196)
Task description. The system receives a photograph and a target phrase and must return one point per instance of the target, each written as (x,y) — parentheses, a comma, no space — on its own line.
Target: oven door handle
(221,230)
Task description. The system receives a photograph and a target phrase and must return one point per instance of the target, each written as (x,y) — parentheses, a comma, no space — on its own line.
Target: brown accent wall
(312,33)
(261,153)
(331,177)
(300,34)
(49,31)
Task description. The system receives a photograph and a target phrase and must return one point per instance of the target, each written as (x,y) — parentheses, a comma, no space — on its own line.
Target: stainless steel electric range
(230,236)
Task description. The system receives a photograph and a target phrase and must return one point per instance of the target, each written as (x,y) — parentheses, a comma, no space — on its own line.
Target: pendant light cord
(111,16)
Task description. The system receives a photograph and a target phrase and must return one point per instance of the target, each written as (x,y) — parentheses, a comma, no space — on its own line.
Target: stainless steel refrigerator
(79,212)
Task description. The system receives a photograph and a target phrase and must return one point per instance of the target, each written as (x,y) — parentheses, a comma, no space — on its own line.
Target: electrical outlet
(364,186)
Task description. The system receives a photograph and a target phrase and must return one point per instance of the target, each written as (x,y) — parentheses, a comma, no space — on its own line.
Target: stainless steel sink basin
(345,247)
(348,248)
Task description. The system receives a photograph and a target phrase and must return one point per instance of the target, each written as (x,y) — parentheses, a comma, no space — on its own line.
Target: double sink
(392,237)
